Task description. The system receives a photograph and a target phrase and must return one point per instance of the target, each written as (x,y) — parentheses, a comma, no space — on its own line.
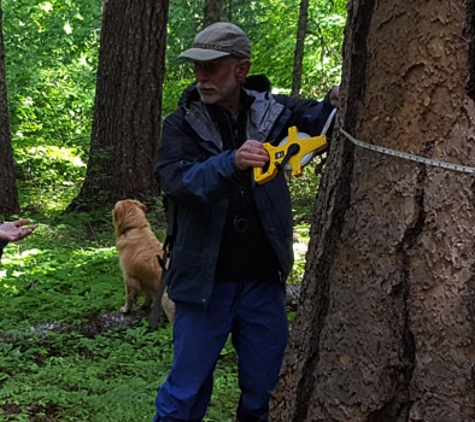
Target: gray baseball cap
(219,40)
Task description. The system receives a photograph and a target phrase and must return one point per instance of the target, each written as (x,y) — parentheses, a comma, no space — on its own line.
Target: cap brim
(202,54)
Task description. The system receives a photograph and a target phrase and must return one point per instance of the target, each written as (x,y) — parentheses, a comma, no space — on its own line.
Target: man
(14,231)
(233,245)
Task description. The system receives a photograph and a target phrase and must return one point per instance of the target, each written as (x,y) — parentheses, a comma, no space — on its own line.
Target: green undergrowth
(67,273)
(111,377)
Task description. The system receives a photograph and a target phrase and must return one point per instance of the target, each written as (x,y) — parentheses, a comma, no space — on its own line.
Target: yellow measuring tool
(294,151)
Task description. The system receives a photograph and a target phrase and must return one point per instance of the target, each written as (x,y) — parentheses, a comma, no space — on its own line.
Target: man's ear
(242,69)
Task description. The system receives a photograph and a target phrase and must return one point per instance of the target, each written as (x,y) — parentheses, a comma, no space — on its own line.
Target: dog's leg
(148,301)
(130,295)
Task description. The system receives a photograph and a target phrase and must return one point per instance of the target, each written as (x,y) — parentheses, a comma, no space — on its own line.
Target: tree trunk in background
(212,12)
(126,125)
(8,189)
(385,327)
(299,48)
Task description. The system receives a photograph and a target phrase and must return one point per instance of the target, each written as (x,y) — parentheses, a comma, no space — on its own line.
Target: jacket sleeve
(308,115)
(2,245)
(188,172)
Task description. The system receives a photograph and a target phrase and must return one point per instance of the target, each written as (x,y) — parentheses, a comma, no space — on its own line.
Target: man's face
(218,80)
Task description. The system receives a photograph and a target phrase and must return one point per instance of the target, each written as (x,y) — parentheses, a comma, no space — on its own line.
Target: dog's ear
(115,211)
(118,215)
(142,206)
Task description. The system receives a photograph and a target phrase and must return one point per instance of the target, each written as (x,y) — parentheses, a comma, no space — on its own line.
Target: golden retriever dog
(138,248)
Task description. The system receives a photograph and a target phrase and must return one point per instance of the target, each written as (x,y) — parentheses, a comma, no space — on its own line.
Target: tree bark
(9,203)
(385,327)
(299,48)
(126,123)
(212,12)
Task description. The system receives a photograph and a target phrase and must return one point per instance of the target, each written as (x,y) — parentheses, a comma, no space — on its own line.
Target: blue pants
(254,313)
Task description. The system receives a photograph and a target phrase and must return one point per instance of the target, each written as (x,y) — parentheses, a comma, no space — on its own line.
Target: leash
(157,313)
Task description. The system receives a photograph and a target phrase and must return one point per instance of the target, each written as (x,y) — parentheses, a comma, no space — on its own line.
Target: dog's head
(128,214)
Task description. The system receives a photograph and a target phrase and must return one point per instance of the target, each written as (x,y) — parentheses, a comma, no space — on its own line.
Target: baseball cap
(219,40)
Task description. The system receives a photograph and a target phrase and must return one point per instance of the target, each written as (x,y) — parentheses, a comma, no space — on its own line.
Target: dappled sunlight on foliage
(303,191)
(50,165)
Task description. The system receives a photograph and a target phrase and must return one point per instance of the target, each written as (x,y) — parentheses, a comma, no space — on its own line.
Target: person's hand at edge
(15,231)
(335,97)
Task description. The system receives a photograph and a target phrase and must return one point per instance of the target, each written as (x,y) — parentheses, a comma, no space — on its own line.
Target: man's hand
(15,230)
(251,154)
(335,97)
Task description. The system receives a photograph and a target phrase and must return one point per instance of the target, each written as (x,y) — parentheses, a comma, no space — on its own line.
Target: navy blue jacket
(2,245)
(194,171)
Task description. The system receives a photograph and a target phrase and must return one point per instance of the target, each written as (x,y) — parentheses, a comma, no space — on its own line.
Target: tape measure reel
(306,158)
(310,156)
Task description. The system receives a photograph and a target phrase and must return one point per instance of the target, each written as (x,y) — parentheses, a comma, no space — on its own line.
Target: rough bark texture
(126,124)
(8,189)
(385,328)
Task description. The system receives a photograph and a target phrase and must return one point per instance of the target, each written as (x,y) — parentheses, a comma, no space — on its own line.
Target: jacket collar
(263,113)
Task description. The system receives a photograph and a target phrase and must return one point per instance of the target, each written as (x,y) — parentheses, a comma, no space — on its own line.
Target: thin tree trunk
(8,189)
(212,12)
(384,331)
(299,48)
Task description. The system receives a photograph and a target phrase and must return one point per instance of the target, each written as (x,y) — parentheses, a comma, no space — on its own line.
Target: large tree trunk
(385,328)
(126,125)
(8,189)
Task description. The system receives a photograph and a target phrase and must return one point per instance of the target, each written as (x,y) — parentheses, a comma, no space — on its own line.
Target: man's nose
(201,75)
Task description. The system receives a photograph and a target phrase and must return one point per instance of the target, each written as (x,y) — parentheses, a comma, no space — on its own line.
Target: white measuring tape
(407,156)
